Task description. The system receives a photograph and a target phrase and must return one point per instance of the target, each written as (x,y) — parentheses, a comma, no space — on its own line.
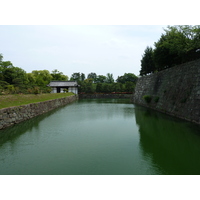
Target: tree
(107,88)
(129,86)
(147,62)
(109,78)
(31,78)
(6,64)
(1,58)
(179,44)
(101,79)
(58,76)
(82,77)
(76,77)
(88,84)
(14,75)
(171,48)
(99,87)
(93,76)
(127,77)
(42,77)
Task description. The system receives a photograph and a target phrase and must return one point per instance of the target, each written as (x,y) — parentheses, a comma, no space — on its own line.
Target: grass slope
(23,99)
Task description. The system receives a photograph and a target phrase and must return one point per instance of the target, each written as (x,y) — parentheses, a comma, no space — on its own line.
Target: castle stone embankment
(14,115)
(105,96)
(174,91)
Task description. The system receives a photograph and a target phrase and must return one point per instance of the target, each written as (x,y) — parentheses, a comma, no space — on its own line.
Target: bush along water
(147,98)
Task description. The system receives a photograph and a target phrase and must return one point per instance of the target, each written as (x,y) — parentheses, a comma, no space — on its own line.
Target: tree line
(179,44)
(16,80)
(105,84)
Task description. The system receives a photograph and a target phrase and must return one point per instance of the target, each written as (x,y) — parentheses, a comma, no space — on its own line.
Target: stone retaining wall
(14,115)
(174,91)
(105,96)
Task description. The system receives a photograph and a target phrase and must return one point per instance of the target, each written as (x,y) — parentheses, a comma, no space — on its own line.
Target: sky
(102,49)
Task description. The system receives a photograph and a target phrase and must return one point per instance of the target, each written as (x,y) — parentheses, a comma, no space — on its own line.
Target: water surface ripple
(101,137)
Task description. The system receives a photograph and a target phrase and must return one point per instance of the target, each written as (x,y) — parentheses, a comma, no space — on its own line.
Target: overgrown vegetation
(156,99)
(147,98)
(179,44)
(19,99)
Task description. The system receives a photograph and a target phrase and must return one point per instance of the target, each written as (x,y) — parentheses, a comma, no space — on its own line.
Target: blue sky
(101,49)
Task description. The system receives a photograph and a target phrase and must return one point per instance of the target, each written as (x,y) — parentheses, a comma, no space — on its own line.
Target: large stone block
(177,88)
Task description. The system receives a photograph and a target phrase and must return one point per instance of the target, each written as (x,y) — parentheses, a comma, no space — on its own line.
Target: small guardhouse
(60,86)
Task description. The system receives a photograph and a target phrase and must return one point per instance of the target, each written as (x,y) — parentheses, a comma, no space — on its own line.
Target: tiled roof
(62,84)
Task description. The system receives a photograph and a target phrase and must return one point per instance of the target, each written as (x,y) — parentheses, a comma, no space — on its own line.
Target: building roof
(63,84)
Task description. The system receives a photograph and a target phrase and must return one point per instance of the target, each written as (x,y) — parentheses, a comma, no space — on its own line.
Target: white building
(59,86)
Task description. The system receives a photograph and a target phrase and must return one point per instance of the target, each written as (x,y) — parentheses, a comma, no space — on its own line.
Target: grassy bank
(23,99)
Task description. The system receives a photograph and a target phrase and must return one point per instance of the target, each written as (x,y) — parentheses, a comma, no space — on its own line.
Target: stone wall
(14,115)
(105,96)
(174,91)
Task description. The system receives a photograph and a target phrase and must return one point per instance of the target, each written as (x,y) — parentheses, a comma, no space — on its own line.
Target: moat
(101,137)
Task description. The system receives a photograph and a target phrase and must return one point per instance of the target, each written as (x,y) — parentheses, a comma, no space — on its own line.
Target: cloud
(85,49)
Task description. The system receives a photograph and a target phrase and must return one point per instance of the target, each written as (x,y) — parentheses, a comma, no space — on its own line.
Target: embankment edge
(14,115)
(174,91)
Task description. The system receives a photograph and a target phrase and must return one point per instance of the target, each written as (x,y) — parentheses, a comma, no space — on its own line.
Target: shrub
(10,88)
(147,98)
(36,90)
(65,90)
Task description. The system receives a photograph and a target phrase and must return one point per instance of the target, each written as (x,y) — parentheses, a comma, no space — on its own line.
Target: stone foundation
(174,91)
(14,115)
(105,96)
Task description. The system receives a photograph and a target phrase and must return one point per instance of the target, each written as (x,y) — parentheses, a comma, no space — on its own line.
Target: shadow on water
(11,134)
(172,145)
(104,101)
(101,136)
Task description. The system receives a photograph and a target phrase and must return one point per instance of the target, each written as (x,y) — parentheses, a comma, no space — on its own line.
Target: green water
(101,137)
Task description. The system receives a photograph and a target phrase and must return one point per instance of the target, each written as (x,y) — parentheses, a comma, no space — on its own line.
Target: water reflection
(98,108)
(172,145)
(11,134)
(101,137)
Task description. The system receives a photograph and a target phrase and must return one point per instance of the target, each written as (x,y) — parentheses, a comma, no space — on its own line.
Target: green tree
(107,88)
(89,85)
(31,78)
(76,77)
(109,78)
(147,62)
(179,44)
(119,87)
(99,88)
(42,77)
(1,58)
(127,77)
(14,75)
(101,79)
(3,85)
(58,76)
(129,86)
(92,76)
(6,64)
(82,77)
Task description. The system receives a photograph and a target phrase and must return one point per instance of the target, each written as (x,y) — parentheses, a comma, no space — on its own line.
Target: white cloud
(85,49)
